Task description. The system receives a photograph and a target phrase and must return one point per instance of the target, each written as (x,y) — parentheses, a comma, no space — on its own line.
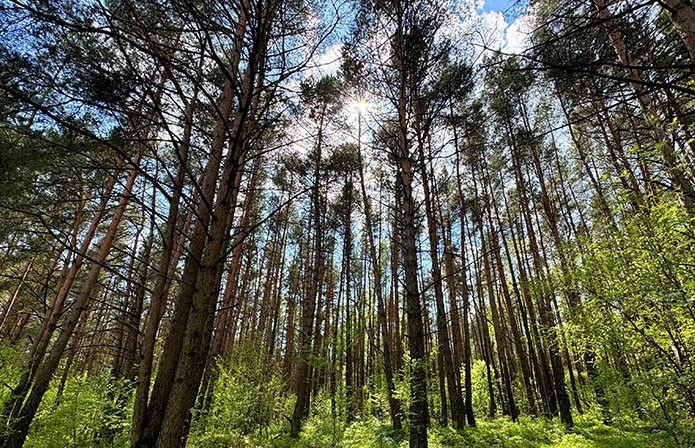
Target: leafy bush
(81,416)
(12,363)
(638,315)
(371,433)
(481,399)
(248,401)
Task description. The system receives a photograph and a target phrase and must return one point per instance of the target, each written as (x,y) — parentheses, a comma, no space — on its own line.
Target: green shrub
(12,364)
(248,401)
(81,416)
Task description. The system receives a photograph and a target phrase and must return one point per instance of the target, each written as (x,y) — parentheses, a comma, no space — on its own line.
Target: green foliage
(248,401)
(481,399)
(86,413)
(499,433)
(81,416)
(530,433)
(371,433)
(12,363)
(248,410)
(320,430)
(637,314)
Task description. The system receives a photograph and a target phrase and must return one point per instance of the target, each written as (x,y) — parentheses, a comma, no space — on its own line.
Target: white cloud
(517,34)
(325,63)
(491,27)
(491,30)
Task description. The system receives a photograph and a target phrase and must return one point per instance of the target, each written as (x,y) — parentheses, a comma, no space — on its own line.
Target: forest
(347,223)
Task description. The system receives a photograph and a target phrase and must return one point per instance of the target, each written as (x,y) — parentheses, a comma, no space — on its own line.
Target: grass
(588,432)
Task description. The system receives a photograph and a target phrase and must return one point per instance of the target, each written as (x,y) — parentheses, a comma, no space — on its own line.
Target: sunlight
(358,108)
(362,105)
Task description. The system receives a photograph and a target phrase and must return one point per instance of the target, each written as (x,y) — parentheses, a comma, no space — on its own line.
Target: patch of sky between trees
(490,25)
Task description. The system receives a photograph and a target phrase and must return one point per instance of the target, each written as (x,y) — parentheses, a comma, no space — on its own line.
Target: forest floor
(75,420)
(588,432)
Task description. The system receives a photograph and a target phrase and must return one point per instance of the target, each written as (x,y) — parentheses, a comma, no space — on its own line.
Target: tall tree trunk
(679,177)
(156,405)
(160,291)
(303,370)
(349,340)
(18,425)
(458,415)
(682,14)
(387,355)
(467,359)
(418,412)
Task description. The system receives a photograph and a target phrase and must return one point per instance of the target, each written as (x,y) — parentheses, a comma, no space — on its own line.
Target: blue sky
(497,5)
(499,19)
(510,8)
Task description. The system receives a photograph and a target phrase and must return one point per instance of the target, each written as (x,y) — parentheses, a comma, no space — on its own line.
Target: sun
(358,109)
(362,105)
